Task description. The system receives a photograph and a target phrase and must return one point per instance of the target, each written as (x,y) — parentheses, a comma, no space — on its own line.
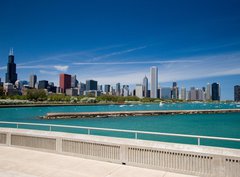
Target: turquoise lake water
(221,125)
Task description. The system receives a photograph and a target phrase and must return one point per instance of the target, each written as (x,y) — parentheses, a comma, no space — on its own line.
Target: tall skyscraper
(237,93)
(199,94)
(209,92)
(145,86)
(154,81)
(74,81)
(192,94)
(125,90)
(91,85)
(64,82)
(107,88)
(183,93)
(118,89)
(139,90)
(11,75)
(43,84)
(175,91)
(32,81)
(216,92)
(165,92)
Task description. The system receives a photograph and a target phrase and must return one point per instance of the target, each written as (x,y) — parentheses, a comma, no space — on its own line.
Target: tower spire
(11,51)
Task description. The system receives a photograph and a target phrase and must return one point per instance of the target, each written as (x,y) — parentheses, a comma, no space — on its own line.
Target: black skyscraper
(11,75)
(91,85)
(215,92)
(237,93)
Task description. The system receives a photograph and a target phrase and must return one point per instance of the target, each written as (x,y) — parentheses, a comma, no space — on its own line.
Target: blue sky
(191,42)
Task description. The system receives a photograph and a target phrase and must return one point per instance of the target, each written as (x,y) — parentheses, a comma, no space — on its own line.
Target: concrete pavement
(29,163)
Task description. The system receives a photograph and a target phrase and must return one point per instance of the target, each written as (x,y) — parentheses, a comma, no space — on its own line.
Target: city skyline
(191,50)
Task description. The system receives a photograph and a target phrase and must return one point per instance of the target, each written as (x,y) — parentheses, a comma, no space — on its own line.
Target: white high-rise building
(139,90)
(209,92)
(192,94)
(32,81)
(145,86)
(183,93)
(154,81)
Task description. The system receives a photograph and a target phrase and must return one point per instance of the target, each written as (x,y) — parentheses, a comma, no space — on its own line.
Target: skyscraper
(209,92)
(32,81)
(139,90)
(43,84)
(73,81)
(165,92)
(118,89)
(91,85)
(125,90)
(145,86)
(107,88)
(183,93)
(154,81)
(216,92)
(175,91)
(11,75)
(64,82)
(237,93)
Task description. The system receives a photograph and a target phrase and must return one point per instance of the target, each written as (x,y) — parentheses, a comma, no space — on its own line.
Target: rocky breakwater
(70,115)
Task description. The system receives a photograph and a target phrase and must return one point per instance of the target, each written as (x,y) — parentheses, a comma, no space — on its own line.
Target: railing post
(198,141)
(50,128)
(136,137)
(17,125)
(88,131)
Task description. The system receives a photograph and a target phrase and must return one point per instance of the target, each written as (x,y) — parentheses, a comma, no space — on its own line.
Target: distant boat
(238,105)
(160,104)
(122,106)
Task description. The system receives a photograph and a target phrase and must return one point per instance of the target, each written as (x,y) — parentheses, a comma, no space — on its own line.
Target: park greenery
(38,96)
(41,97)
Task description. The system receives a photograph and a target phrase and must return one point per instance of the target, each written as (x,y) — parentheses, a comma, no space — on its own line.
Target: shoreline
(94,104)
(71,115)
(59,104)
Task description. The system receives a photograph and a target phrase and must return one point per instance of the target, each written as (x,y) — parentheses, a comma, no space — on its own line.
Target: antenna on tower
(11,51)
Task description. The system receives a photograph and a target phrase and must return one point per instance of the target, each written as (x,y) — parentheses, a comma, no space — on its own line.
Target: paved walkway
(28,163)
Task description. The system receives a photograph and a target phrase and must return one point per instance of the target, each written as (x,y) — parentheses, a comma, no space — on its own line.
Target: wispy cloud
(117,53)
(136,62)
(48,72)
(181,69)
(61,68)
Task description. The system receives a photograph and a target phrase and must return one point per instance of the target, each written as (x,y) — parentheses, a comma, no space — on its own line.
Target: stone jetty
(68,115)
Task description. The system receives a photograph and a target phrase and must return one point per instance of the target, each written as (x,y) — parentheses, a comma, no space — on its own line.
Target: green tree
(36,95)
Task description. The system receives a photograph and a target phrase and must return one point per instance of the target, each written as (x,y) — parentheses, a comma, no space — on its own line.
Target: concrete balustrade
(180,158)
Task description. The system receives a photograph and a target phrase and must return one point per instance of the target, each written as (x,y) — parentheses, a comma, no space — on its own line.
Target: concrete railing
(134,132)
(180,158)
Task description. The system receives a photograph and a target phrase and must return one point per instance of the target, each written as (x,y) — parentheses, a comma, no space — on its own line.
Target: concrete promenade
(17,162)
(64,115)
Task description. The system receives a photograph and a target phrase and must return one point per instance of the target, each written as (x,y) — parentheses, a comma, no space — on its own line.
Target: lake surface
(221,125)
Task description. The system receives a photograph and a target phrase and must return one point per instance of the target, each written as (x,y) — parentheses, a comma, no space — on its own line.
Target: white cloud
(48,72)
(117,53)
(174,70)
(61,68)
(136,62)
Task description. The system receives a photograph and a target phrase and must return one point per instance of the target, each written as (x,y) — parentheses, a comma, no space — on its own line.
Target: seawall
(180,158)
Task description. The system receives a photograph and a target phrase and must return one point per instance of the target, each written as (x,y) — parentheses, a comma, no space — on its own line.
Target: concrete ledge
(180,158)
